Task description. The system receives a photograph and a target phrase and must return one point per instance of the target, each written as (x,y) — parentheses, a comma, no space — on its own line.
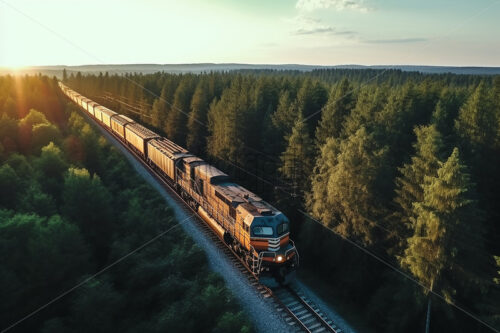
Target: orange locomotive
(257,231)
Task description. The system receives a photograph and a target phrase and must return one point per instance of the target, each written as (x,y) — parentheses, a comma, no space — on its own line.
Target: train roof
(142,131)
(246,201)
(108,112)
(169,148)
(260,208)
(105,110)
(260,213)
(208,172)
(192,159)
(121,119)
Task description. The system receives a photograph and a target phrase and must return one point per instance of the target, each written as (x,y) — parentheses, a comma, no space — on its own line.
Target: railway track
(300,314)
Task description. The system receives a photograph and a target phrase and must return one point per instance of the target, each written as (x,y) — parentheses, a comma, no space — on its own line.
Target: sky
(317,32)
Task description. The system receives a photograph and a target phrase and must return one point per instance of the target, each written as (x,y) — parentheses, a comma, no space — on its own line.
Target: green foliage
(369,103)
(33,118)
(98,295)
(88,203)
(36,201)
(437,254)
(310,99)
(41,257)
(425,163)
(230,123)
(71,205)
(337,108)
(375,150)
(50,168)
(21,164)
(446,111)
(9,108)
(176,122)
(477,125)
(8,133)
(344,188)
(196,126)
(297,159)
(43,134)
(159,110)
(286,114)
(10,185)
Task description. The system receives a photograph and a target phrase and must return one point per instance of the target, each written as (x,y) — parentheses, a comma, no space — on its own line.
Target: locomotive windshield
(262,231)
(282,229)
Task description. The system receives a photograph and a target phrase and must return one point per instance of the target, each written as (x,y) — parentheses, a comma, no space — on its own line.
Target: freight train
(254,229)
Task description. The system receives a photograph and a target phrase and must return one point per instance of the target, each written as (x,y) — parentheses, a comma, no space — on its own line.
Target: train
(256,231)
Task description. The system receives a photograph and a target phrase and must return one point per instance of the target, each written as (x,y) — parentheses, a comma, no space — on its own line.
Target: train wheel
(194,204)
(228,239)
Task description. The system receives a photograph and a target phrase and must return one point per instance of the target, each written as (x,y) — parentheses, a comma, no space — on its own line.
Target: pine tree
(337,108)
(346,188)
(176,124)
(369,102)
(477,123)
(284,117)
(230,121)
(310,99)
(196,125)
(425,163)
(159,110)
(446,111)
(297,158)
(496,101)
(447,231)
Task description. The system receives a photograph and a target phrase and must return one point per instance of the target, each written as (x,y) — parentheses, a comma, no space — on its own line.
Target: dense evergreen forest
(405,165)
(70,206)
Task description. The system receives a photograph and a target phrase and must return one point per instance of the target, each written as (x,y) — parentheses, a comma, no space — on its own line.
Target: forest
(73,213)
(402,165)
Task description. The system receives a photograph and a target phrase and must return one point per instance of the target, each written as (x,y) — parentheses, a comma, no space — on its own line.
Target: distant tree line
(70,205)
(405,164)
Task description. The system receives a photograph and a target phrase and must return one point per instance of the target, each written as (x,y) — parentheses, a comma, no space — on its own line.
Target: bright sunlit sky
(322,32)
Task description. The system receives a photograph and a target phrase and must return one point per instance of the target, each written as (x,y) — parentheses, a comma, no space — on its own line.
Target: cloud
(310,5)
(313,31)
(395,41)
(323,31)
(312,26)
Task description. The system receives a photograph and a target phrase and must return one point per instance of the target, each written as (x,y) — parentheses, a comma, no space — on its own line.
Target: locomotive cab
(270,243)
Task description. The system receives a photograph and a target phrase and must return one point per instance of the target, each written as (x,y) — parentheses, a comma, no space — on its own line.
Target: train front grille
(273,244)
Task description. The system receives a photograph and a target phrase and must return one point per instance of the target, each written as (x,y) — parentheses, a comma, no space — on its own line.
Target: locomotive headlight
(280,258)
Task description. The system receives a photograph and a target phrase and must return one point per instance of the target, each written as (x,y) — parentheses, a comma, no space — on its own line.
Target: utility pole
(429,302)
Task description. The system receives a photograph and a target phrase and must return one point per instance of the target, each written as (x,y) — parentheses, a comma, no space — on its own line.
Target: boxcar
(80,100)
(91,107)
(99,110)
(138,136)
(85,103)
(118,123)
(164,154)
(106,115)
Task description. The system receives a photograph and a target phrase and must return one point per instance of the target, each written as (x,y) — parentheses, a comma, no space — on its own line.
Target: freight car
(106,115)
(118,123)
(137,136)
(85,103)
(254,229)
(90,107)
